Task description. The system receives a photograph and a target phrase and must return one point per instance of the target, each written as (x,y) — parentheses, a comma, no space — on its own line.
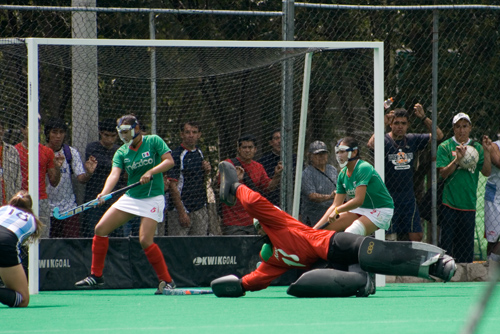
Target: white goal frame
(33,105)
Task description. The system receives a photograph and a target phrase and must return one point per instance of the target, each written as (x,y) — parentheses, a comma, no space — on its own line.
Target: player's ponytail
(22,200)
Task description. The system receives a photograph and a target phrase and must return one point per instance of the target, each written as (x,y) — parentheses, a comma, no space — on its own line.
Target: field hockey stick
(179,292)
(327,223)
(91,204)
(478,309)
(324,225)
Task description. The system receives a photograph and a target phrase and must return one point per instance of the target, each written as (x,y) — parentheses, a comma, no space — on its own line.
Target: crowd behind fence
(468,48)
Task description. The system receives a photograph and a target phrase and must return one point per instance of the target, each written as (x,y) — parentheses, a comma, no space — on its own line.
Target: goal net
(66,94)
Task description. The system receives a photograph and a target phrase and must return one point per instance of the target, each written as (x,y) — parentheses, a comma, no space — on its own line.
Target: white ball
(470,159)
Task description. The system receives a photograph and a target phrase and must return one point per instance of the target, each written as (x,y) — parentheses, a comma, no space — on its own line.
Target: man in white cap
(319,181)
(458,212)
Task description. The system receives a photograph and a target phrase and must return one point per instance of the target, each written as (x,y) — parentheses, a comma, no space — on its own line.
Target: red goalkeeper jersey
(295,245)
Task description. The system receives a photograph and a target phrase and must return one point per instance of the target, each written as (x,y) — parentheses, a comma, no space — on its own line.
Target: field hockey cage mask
(257,225)
(339,147)
(125,127)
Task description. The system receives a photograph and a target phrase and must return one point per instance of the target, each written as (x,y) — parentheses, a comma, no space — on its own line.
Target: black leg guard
(369,288)
(10,297)
(405,259)
(328,283)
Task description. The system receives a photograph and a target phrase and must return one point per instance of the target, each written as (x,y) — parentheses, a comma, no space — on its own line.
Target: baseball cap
(317,147)
(460,116)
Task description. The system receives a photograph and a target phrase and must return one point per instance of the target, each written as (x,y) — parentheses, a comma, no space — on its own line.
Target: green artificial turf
(395,308)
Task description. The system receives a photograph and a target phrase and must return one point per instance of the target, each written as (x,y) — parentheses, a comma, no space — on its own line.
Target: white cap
(460,116)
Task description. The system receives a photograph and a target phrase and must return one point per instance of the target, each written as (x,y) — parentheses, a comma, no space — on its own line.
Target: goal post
(351,99)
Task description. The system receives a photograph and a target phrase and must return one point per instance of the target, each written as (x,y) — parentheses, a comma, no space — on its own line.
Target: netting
(228,92)
(466,64)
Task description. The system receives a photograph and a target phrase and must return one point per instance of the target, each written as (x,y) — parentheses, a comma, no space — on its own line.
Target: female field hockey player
(145,159)
(18,226)
(370,206)
(292,244)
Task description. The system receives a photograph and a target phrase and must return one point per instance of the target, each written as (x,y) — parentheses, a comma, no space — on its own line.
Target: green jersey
(138,161)
(377,195)
(460,188)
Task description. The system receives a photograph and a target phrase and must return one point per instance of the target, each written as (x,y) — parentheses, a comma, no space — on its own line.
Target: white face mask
(123,128)
(340,149)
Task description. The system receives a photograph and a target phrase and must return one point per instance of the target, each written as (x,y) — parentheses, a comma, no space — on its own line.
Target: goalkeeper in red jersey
(292,244)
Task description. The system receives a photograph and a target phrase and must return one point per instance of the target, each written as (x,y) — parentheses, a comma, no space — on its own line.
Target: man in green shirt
(458,212)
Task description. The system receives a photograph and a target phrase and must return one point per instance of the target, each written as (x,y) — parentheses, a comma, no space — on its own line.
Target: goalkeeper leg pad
(370,287)
(227,286)
(328,283)
(405,259)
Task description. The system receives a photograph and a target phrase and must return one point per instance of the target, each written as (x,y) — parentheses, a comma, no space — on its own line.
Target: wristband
(336,212)
(423,119)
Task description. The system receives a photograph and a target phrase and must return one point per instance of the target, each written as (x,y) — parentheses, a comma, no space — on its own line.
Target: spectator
(370,206)
(10,169)
(492,206)
(48,169)
(400,152)
(102,151)
(319,181)
(236,220)
(62,196)
(187,209)
(458,212)
(270,160)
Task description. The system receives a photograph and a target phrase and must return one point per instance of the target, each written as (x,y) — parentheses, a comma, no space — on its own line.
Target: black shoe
(369,288)
(444,268)
(228,183)
(90,282)
(164,285)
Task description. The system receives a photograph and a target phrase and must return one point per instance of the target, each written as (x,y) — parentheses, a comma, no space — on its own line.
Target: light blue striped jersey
(21,223)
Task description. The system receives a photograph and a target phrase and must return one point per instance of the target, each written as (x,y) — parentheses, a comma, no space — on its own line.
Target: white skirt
(380,217)
(151,207)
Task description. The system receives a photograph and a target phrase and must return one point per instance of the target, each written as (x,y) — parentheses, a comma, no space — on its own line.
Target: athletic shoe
(228,183)
(369,288)
(164,285)
(444,268)
(90,282)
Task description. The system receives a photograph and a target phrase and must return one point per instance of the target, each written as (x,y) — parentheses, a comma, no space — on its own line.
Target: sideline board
(192,261)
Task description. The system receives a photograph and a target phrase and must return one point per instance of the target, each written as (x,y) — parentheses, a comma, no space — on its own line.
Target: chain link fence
(467,64)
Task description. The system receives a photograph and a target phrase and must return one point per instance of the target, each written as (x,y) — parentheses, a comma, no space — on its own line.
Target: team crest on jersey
(145,154)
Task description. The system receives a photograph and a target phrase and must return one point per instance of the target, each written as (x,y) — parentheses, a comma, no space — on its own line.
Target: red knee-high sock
(155,257)
(99,251)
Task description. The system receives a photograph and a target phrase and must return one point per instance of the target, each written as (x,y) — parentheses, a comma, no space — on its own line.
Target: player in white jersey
(492,206)
(18,225)
(145,159)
